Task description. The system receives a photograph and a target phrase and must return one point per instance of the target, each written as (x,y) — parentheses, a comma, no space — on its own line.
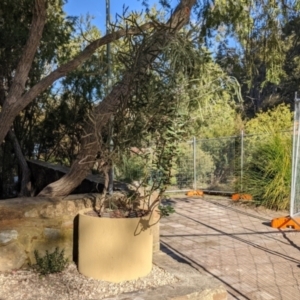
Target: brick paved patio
(236,245)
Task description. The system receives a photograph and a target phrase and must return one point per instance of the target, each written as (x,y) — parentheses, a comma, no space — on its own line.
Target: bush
(183,170)
(51,262)
(268,174)
(274,120)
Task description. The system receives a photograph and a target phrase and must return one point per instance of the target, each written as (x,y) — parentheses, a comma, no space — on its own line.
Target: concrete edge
(192,284)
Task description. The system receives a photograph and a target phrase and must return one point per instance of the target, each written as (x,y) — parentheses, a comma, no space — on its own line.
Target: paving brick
(237,246)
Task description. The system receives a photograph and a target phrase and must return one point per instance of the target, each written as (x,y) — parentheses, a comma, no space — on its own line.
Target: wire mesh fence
(218,164)
(208,164)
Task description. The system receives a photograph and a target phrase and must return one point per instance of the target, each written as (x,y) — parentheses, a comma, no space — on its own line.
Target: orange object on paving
(286,222)
(235,197)
(244,197)
(195,193)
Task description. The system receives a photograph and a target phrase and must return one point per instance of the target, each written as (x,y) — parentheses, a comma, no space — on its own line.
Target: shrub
(268,161)
(51,262)
(268,174)
(183,170)
(273,120)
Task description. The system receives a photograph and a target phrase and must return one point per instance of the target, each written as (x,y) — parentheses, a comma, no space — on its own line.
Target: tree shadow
(182,258)
(289,240)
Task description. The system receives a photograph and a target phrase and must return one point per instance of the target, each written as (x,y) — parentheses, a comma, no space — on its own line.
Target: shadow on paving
(273,275)
(234,236)
(181,257)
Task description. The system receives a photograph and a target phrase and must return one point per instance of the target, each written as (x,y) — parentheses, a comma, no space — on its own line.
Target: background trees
(17,18)
(170,81)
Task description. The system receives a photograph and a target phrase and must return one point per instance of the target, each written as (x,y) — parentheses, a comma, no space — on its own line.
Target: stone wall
(28,224)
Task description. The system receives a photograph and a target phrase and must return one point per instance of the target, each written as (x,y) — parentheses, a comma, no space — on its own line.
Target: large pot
(114,249)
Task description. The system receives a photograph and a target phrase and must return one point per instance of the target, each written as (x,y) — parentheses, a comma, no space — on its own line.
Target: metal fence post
(242,159)
(194,162)
(294,203)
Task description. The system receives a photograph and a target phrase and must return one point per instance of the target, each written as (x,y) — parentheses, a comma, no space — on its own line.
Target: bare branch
(78,60)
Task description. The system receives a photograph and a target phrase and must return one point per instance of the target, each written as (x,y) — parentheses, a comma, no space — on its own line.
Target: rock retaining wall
(28,224)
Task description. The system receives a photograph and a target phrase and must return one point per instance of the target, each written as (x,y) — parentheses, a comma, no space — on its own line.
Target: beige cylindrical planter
(114,249)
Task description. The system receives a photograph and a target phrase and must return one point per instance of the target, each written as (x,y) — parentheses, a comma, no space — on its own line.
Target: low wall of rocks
(29,224)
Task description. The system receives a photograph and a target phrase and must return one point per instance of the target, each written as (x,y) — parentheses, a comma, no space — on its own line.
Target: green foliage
(226,120)
(262,58)
(268,174)
(222,152)
(163,105)
(15,22)
(130,168)
(183,169)
(185,90)
(51,263)
(273,120)
(166,210)
(291,82)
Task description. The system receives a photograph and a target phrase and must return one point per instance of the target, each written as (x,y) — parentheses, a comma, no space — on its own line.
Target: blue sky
(96,8)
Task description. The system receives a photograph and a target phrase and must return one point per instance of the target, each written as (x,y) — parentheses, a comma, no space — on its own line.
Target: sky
(97,9)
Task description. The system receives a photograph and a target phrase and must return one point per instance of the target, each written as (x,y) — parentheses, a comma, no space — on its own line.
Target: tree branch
(15,104)
(79,59)
(33,41)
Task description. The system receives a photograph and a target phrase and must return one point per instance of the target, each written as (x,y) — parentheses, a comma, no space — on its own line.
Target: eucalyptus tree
(254,47)
(18,96)
(290,83)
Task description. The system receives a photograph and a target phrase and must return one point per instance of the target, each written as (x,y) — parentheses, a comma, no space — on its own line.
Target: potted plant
(116,237)
(116,240)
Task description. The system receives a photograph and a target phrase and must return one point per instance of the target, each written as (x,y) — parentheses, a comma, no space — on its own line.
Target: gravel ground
(69,285)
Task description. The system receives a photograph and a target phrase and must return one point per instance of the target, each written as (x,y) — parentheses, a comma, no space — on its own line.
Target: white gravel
(70,285)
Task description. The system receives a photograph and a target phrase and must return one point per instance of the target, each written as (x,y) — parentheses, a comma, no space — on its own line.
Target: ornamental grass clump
(268,174)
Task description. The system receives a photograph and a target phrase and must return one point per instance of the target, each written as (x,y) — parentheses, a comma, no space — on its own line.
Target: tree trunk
(13,101)
(25,182)
(26,174)
(89,143)
(119,94)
